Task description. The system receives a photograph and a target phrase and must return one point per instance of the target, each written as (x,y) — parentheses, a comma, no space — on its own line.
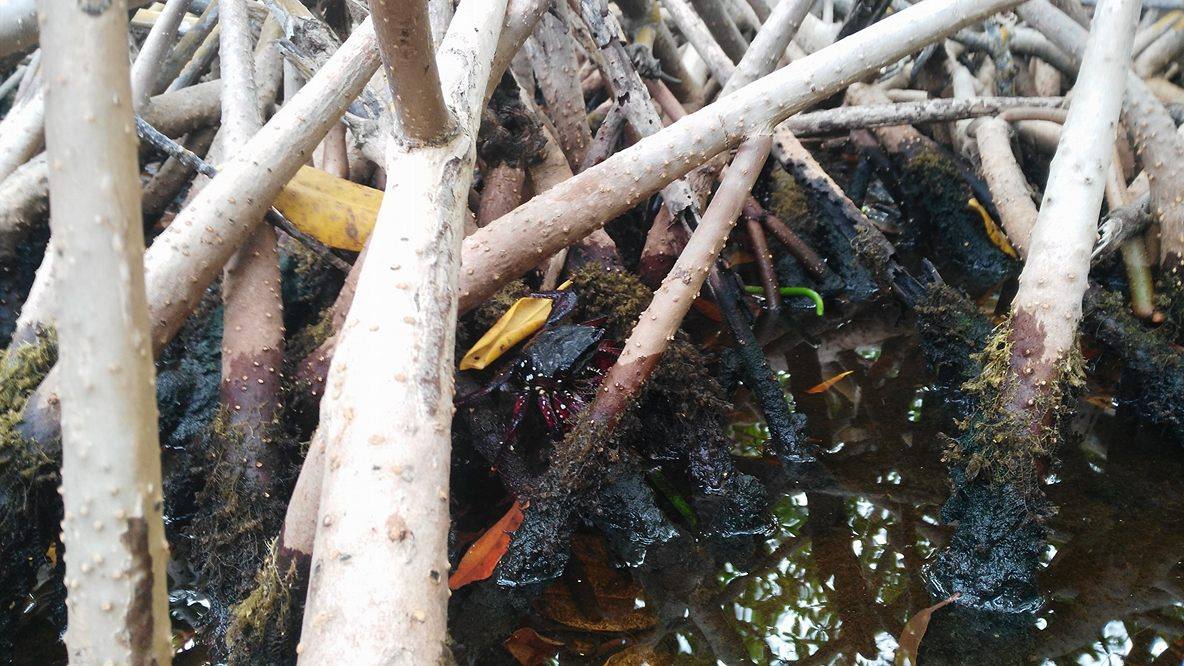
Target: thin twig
(273,216)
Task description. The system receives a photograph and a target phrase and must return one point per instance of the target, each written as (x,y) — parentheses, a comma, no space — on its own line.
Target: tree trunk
(388,405)
(111,484)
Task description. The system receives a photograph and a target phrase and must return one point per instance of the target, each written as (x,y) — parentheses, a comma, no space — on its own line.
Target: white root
(111,483)
(1055,275)
(156,46)
(379,575)
(496,254)
(191,252)
(696,32)
(22,133)
(1009,187)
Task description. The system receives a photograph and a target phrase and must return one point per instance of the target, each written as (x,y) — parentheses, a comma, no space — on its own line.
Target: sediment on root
(1003,444)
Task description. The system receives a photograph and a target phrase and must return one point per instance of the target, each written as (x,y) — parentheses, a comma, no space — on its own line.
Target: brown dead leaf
(531,649)
(604,598)
(914,631)
(822,386)
(639,655)
(482,557)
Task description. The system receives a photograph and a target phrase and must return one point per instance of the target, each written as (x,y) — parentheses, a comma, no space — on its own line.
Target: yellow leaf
(993,231)
(914,631)
(524,317)
(335,211)
(825,384)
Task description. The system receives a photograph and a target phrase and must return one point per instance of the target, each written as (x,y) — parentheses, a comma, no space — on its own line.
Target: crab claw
(562,304)
(550,417)
(516,416)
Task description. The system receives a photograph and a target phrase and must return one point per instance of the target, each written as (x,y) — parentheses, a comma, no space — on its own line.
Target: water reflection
(843,571)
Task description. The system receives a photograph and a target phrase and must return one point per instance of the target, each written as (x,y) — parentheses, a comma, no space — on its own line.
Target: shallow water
(843,570)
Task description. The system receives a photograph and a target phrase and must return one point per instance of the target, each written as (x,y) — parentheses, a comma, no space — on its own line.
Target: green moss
(300,345)
(785,197)
(617,295)
(22,367)
(239,514)
(263,626)
(1001,443)
(952,332)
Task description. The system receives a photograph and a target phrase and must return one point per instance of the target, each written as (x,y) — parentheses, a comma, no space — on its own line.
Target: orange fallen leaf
(531,649)
(482,557)
(707,309)
(821,387)
(914,631)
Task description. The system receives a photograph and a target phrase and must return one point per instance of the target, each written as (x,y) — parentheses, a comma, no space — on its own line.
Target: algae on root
(237,518)
(30,509)
(1005,444)
(264,627)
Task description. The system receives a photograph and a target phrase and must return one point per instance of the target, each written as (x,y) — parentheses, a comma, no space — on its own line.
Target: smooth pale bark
(696,32)
(156,46)
(18,24)
(191,252)
(172,113)
(185,47)
(1009,187)
(1160,53)
(379,575)
(1046,79)
(1047,306)
(37,310)
(22,133)
(111,484)
(846,118)
(963,84)
(405,40)
(202,58)
(769,44)
(716,17)
(497,254)
(224,213)
(1155,137)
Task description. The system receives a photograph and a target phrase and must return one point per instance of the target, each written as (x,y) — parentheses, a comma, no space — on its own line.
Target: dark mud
(861,541)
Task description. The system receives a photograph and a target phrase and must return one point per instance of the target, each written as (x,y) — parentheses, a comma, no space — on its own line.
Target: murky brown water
(843,571)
